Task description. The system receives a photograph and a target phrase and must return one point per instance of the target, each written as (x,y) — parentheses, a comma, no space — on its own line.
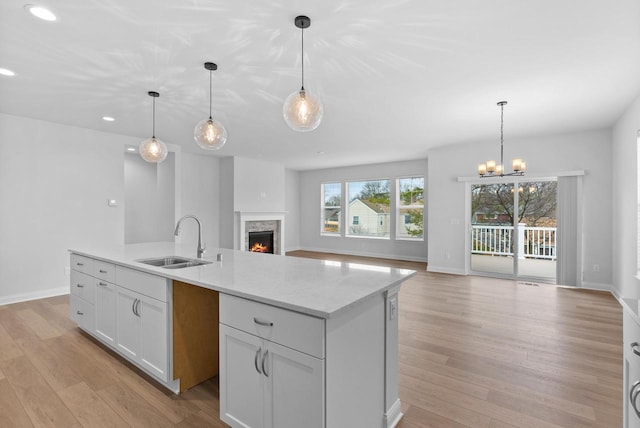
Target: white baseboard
(393,415)
(442,269)
(597,286)
(365,254)
(42,294)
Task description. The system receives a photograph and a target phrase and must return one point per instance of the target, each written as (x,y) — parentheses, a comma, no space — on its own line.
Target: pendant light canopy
(152,149)
(302,110)
(490,169)
(209,133)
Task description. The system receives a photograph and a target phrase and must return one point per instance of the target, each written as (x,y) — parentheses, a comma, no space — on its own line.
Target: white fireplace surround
(242,217)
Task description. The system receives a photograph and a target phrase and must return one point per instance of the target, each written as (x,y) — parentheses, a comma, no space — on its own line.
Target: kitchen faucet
(201,247)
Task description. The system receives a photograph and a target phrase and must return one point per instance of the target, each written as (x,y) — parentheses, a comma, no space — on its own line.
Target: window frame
(348,215)
(400,224)
(324,207)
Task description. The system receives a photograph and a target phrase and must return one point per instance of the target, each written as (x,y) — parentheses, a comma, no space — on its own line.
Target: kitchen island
(300,342)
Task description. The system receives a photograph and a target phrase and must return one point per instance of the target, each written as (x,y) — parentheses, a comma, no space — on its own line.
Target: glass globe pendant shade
(210,134)
(302,111)
(153,150)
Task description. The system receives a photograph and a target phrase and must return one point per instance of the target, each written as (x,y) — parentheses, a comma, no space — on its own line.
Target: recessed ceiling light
(6,72)
(108,118)
(131,149)
(40,12)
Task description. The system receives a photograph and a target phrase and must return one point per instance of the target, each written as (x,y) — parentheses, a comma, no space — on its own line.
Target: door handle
(255,360)
(262,322)
(633,395)
(264,358)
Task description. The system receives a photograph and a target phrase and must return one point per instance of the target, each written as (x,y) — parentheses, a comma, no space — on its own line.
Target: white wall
(55,181)
(200,195)
(226,223)
(258,186)
(149,199)
(292,208)
(624,168)
(588,151)
(54,184)
(310,213)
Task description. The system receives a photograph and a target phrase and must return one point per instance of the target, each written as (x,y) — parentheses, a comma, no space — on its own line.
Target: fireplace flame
(259,247)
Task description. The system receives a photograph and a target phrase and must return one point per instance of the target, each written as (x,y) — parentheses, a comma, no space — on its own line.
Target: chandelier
(490,169)
(302,110)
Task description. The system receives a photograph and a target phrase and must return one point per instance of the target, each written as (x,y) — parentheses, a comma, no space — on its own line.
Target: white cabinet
(264,383)
(142,331)
(631,334)
(125,309)
(105,309)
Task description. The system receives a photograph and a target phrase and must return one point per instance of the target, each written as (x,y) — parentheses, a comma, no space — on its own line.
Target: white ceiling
(397,77)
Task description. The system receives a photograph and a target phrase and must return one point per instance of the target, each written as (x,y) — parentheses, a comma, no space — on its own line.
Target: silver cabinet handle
(262,322)
(79,285)
(255,360)
(133,306)
(264,357)
(79,264)
(102,271)
(79,313)
(138,307)
(633,395)
(634,348)
(102,284)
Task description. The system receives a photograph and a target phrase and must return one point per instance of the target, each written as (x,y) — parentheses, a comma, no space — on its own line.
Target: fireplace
(261,242)
(248,223)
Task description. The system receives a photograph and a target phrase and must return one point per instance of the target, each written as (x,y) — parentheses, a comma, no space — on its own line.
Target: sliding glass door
(513,229)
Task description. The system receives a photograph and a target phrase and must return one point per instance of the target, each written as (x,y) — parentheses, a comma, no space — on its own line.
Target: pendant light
(490,169)
(152,149)
(302,111)
(209,133)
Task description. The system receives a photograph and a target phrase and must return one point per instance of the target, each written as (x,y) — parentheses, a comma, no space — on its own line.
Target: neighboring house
(368,218)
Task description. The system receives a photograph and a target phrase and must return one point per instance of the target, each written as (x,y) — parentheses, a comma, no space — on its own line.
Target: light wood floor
(474,352)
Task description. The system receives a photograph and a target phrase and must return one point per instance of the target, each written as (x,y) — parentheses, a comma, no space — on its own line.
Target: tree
(376,192)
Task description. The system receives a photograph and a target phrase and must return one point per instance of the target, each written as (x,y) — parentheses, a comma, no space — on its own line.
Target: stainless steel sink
(173,262)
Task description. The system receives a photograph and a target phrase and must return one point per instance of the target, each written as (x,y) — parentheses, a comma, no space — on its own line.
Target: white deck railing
(534,242)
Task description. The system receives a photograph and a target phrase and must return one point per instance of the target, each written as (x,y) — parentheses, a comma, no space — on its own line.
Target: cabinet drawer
(104,270)
(82,312)
(81,264)
(292,329)
(82,285)
(142,282)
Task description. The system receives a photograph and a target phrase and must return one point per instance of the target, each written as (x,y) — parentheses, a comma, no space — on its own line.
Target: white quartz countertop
(315,287)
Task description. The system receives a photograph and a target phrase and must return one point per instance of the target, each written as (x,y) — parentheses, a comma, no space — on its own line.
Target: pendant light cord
(302,29)
(502,136)
(210,95)
(154,118)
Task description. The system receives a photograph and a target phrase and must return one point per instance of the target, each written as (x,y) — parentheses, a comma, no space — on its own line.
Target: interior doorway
(513,228)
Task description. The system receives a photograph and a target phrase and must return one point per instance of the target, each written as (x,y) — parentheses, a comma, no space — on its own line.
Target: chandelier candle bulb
(499,170)
(482,169)
(523,166)
(517,164)
(491,166)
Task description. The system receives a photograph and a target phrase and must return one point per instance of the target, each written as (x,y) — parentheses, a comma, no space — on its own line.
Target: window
(331,208)
(410,206)
(369,208)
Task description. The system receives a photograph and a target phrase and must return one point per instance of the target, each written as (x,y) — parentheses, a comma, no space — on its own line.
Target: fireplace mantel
(241,219)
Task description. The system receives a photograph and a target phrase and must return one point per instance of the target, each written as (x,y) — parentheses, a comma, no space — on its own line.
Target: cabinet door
(153,320)
(294,394)
(105,309)
(241,381)
(128,325)
(631,375)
